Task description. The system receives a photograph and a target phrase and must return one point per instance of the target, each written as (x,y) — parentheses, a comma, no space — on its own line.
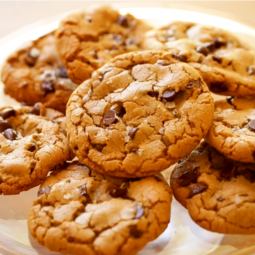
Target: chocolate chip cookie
(30,146)
(219,193)
(226,64)
(36,74)
(138,114)
(88,39)
(79,211)
(233,130)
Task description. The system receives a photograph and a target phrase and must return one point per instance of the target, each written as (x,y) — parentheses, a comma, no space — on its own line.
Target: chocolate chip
(252,125)
(119,109)
(83,190)
(217,59)
(132,132)
(135,232)
(131,41)
(199,188)
(251,70)
(36,109)
(188,177)
(70,239)
(43,191)
(139,212)
(109,117)
(203,50)
(133,150)
(4,125)
(163,63)
(180,57)
(210,46)
(169,95)
(31,58)
(218,87)
(7,113)
(118,192)
(118,38)
(114,47)
(99,147)
(47,87)
(220,199)
(10,134)
(218,42)
(62,72)
(32,148)
(194,83)
(153,94)
(229,100)
(123,21)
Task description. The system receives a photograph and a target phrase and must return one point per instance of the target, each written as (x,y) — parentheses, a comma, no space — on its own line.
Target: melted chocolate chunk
(118,192)
(139,212)
(226,172)
(220,199)
(43,191)
(36,109)
(47,87)
(119,109)
(217,59)
(132,132)
(188,177)
(4,125)
(199,188)
(109,117)
(180,57)
(252,125)
(10,134)
(7,113)
(62,72)
(203,50)
(135,232)
(169,95)
(153,94)
(249,175)
(83,190)
(32,148)
(123,21)
(219,42)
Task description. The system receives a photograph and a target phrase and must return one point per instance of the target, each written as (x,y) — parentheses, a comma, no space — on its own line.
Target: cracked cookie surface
(218,192)
(36,74)
(232,132)
(138,114)
(79,211)
(30,146)
(226,64)
(88,39)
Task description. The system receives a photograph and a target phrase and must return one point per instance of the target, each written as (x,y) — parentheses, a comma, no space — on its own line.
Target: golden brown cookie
(138,114)
(219,193)
(79,211)
(88,39)
(36,74)
(233,130)
(30,146)
(226,64)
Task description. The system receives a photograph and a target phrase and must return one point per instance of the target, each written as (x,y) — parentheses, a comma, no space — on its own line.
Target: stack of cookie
(136,102)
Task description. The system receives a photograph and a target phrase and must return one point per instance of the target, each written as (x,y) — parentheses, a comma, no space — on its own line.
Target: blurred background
(17,14)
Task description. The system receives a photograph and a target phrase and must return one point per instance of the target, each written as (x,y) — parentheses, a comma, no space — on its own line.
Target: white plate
(182,236)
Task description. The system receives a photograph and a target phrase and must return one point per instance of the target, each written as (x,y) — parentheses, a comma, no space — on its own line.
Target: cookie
(233,130)
(79,211)
(226,64)
(219,193)
(36,74)
(30,146)
(88,39)
(138,114)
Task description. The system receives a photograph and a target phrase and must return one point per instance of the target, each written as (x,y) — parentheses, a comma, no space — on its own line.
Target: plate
(182,236)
